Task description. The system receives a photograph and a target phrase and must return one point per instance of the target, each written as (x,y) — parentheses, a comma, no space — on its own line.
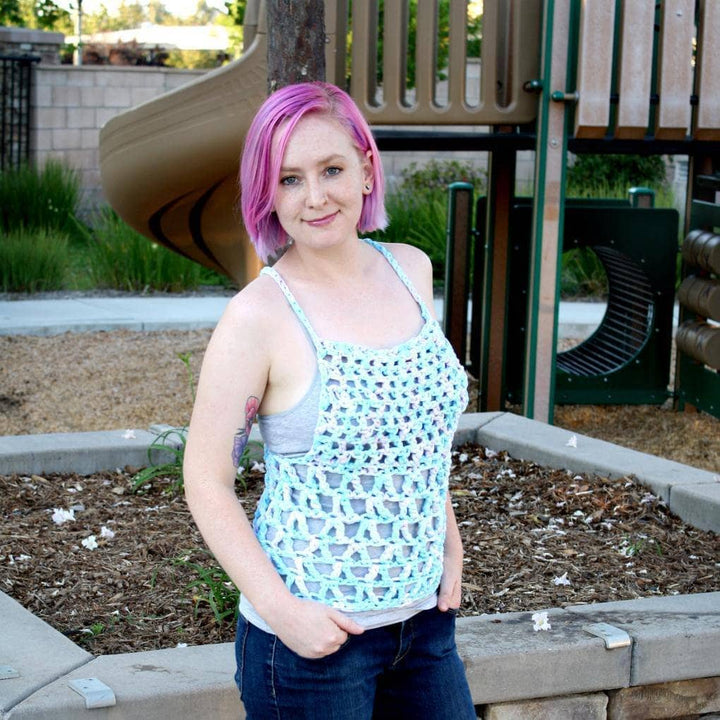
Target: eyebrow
(323,161)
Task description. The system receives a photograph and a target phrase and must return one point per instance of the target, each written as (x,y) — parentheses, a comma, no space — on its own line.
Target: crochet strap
(275,275)
(401,274)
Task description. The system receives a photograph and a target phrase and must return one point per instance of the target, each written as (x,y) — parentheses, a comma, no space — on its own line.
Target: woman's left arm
(451,582)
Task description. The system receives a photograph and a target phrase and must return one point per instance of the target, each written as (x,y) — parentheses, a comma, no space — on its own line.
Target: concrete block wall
(71,104)
(21,41)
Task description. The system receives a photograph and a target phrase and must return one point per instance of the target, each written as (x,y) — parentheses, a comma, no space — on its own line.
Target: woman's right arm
(235,369)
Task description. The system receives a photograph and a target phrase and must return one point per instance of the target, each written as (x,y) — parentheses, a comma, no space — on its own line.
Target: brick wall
(71,104)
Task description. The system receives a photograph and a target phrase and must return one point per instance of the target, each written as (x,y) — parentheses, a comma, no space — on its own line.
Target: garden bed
(534,538)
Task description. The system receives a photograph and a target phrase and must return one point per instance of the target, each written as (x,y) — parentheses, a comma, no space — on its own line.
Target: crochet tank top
(358,521)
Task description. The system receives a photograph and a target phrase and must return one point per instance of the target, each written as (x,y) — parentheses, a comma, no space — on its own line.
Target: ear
(367,173)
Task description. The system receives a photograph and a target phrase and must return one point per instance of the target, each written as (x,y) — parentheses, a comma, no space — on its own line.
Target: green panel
(647,238)
(699,386)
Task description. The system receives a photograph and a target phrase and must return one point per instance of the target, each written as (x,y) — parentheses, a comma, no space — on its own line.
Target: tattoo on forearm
(242,436)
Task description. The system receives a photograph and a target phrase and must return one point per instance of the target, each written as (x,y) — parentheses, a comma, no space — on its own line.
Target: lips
(321,222)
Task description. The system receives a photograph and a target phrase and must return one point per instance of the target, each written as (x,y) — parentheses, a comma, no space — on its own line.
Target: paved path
(84,314)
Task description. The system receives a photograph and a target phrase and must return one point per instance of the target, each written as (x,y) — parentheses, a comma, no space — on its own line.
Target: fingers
(449,596)
(345,623)
(315,630)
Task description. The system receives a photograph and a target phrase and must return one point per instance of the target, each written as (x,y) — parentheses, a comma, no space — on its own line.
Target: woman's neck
(337,265)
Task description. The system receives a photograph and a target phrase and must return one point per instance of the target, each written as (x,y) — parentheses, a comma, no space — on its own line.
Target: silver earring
(367,187)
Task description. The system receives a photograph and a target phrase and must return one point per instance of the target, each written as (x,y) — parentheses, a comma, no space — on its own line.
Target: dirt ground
(534,538)
(78,382)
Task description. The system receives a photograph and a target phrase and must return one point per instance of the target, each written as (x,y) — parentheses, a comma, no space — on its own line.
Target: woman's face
(323,178)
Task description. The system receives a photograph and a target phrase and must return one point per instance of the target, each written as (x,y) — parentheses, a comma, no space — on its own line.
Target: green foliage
(49,15)
(33,260)
(435,176)
(592,171)
(417,210)
(236,11)
(35,14)
(195,59)
(212,587)
(10,12)
(474,34)
(582,275)
(120,257)
(45,199)
(45,246)
(420,221)
(171,441)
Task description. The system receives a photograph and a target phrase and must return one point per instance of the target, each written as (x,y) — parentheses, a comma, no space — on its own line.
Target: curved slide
(169,166)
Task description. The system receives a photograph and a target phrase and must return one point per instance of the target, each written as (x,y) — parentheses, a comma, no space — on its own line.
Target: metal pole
(79,51)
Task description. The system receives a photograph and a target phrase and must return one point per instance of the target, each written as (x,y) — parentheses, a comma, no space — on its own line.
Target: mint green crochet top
(358,522)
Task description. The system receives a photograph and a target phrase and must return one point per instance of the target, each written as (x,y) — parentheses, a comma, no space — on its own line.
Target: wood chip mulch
(534,538)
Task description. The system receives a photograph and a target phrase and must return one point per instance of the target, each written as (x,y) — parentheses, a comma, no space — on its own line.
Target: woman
(350,574)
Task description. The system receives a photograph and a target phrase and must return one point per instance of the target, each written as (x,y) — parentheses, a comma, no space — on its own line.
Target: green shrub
(417,210)
(582,275)
(45,198)
(120,257)
(593,172)
(435,176)
(419,221)
(33,260)
(212,587)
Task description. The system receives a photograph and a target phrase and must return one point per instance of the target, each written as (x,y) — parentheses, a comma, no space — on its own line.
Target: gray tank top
(291,432)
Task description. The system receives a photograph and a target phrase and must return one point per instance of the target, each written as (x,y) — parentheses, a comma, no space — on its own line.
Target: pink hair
(260,167)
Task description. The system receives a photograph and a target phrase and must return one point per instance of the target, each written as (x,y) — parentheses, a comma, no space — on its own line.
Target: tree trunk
(296,42)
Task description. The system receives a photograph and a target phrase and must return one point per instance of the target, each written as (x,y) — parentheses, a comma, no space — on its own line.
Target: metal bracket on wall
(614,637)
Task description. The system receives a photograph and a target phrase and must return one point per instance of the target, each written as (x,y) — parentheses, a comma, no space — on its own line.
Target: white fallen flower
(106,532)
(129,435)
(572,442)
(562,580)
(540,621)
(60,516)
(90,542)
(258,467)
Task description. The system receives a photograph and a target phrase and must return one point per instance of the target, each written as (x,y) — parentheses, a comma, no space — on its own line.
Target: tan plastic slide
(169,166)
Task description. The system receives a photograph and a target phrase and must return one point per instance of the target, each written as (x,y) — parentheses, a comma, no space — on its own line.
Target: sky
(181,8)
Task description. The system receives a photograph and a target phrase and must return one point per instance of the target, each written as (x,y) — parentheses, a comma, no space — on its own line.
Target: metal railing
(15,107)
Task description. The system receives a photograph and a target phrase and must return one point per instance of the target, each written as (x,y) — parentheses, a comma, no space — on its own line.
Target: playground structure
(596,76)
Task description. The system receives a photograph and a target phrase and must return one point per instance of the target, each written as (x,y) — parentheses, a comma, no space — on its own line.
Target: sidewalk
(91,314)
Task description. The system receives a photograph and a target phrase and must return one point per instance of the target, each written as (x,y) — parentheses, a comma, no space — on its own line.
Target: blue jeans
(407,670)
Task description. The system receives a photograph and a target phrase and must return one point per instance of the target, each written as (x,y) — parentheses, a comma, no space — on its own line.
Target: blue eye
(289,180)
(333,171)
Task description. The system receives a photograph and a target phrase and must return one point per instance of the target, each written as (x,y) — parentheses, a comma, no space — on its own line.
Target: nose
(316,195)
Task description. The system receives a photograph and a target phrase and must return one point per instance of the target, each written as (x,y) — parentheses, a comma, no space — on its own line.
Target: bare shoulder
(250,313)
(255,304)
(411,259)
(416,265)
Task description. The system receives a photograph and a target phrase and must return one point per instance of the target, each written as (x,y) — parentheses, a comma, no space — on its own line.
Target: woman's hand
(313,630)
(450,593)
